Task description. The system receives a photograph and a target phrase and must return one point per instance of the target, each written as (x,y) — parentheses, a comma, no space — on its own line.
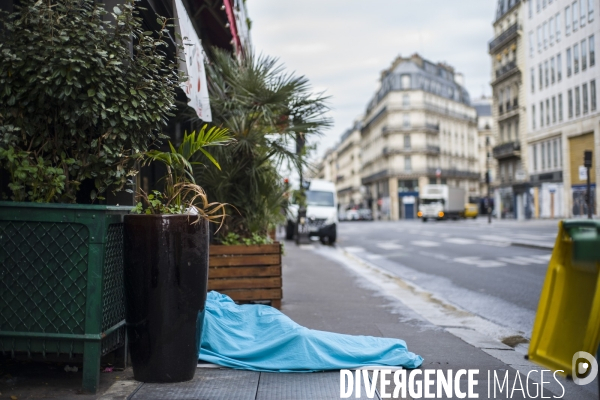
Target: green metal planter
(61,282)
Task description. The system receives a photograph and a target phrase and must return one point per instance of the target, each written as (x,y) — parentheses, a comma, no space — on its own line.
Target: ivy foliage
(83,93)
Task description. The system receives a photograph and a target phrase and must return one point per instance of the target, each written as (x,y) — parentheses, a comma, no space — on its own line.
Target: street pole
(487,178)
(300,142)
(587,163)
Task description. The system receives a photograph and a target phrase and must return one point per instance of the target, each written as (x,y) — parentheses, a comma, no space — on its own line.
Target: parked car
(352,215)
(365,214)
(321,211)
(471,210)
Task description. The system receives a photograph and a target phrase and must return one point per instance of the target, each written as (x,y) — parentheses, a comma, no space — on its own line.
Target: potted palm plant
(265,109)
(81,96)
(166,264)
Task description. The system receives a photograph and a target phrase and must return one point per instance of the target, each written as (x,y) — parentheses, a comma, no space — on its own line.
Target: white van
(321,212)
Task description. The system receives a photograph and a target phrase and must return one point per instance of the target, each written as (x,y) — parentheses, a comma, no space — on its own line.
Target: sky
(342,46)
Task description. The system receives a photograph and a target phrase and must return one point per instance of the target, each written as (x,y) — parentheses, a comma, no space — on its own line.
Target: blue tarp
(261,338)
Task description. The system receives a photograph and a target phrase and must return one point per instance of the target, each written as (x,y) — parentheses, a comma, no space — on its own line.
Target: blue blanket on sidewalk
(261,338)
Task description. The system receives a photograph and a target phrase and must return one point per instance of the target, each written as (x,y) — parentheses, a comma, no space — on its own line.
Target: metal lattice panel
(113,305)
(43,276)
(113,294)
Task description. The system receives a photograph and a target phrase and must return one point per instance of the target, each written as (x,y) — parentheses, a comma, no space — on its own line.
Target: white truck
(441,202)
(321,212)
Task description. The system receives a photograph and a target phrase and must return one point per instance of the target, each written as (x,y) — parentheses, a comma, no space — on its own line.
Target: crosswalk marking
(495,244)
(461,241)
(353,249)
(424,243)
(478,262)
(514,260)
(389,246)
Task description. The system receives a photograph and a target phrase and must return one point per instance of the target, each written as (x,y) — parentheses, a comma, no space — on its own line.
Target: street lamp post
(487,178)
(587,163)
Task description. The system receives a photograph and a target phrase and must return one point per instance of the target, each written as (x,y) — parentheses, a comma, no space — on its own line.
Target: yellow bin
(568,315)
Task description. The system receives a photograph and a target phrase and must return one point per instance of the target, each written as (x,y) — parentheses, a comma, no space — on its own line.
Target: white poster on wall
(195,87)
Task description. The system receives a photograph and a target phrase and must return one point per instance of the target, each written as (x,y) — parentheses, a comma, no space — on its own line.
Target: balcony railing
(504,37)
(506,69)
(509,106)
(429,149)
(505,150)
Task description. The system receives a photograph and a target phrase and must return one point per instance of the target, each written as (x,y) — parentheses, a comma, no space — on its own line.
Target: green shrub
(80,97)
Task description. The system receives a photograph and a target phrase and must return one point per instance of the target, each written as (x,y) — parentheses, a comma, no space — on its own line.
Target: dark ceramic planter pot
(166,273)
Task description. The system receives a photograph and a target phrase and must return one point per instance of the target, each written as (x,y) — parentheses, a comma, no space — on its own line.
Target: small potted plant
(166,264)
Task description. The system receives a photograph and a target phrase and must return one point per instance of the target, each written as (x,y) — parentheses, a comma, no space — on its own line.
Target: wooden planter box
(247,273)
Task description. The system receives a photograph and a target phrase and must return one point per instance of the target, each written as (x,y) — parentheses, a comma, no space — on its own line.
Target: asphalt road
(468,263)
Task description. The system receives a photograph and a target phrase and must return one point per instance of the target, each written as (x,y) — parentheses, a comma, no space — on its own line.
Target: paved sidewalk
(320,293)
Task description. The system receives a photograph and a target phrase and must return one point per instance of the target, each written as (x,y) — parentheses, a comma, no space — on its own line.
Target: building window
(583,13)
(530,9)
(541,114)
(558,67)
(551,29)
(549,150)
(406,100)
(406,142)
(592,44)
(570,99)
(552,71)
(569,62)
(560,107)
(406,120)
(407,164)
(532,80)
(593,94)
(535,161)
(575,58)
(557,23)
(577,102)
(546,73)
(543,153)
(553,109)
(533,116)
(584,94)
(545,31)
(555,151)
(531,50)
(575,9)
(583,55)
(567,20)
(539,38)
(406,82)
(547,112)
(591,10)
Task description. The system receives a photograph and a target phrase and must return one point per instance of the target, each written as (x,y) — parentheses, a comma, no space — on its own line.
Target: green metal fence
(61,282)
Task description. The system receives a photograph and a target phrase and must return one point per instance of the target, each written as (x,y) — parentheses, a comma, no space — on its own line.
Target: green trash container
(61,282)
(568,316)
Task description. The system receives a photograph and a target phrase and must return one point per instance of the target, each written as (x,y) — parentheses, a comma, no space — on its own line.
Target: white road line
(545,257)
(424,243)
(495,244)
(495,238)
(390,246)
(521,260)
(514,260)
(374,256)
(461,241)
(354,249)
(478,262)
